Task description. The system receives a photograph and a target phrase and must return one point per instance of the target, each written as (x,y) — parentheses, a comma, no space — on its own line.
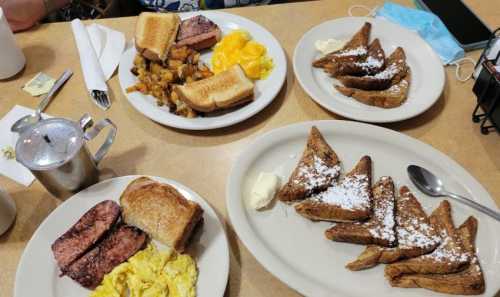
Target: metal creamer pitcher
(55,151)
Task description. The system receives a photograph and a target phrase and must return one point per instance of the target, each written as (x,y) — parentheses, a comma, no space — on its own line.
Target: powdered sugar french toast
(415,234)
(373,63)
(469,281)
(394,72)
(379,229)
(450,256)
(354,50)
(318,168)
(345,201)
(392,97)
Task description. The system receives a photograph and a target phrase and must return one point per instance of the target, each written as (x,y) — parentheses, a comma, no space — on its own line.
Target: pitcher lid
(49,143)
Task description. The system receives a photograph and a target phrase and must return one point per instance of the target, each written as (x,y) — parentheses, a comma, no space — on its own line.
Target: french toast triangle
(373,63)
(450,256)
(348,200)
(394,96)
(394,72)
(318,168)
(469,281)
(379,229)
(415,234)
(354,50)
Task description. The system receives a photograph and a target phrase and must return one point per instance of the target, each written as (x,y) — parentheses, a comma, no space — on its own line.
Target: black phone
(469,31)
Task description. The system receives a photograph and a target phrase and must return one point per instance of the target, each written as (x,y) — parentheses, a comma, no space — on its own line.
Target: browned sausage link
(115,249)
(85,232)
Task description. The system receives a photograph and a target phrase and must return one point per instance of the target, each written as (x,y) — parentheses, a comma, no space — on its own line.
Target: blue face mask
(427,25)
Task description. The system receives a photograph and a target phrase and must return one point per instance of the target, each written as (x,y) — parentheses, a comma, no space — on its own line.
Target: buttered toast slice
(155,34)
(345,201)
(415,234)
(394,72)
(449,256)
(373,63)
(392,97)
(354,50)
(379,229)
(469,281)
(161,211)
(318,168)
(221,91)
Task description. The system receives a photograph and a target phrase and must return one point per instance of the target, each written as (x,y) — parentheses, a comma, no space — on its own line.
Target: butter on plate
(263,190)
(329,45)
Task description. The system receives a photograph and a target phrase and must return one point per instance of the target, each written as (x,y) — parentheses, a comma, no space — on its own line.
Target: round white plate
(265,90)
(38,274)
(427,71)
(295,249)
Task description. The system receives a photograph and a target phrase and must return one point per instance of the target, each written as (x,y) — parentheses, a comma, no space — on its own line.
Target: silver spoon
(31,119)
(433,186)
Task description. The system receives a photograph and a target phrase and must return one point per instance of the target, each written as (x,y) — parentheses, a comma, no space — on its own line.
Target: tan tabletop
(202,160)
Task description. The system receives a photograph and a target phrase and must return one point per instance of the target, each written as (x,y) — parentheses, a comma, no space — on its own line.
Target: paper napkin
(10,167)
(100,49)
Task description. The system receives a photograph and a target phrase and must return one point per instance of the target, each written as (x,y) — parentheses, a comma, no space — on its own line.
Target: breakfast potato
(156,79)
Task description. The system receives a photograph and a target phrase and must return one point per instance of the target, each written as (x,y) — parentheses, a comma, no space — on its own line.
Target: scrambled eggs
(151,273)
(238,48)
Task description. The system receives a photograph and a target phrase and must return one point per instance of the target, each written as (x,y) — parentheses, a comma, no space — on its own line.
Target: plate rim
(352,115)
(174,183)
(236,207)
(272,92)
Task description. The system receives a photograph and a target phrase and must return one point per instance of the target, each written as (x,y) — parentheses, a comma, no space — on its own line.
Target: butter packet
(39,85)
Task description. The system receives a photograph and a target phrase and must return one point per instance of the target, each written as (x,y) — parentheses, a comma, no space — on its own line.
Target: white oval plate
(265,90)
(427,71)
(295,249)
(38,274)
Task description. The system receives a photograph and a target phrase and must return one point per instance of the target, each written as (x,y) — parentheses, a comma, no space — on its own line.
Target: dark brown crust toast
(379,229)
(410,219)
(354,50)
(318,168)
(470,281)
(334,205)
(450,256)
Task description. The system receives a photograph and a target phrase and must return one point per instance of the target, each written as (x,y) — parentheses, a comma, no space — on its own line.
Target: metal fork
(101,99)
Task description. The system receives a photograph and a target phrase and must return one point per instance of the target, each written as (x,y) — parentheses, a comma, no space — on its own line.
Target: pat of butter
(263,190)
(39,85)
(329,45)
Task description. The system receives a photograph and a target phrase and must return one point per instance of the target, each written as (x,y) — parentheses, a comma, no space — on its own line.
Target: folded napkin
(10,167)
(100,49)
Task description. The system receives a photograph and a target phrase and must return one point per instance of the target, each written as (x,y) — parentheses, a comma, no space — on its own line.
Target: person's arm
(24,14)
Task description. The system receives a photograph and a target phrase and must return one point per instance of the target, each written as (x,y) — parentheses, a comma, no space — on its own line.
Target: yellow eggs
(238,47)
(151,273)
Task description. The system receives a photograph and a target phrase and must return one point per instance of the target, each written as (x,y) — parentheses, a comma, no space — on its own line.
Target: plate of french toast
(202,70)
(368,69)
(127,236)
(327,205)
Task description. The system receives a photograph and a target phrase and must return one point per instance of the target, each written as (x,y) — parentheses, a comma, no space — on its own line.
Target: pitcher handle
(94,131)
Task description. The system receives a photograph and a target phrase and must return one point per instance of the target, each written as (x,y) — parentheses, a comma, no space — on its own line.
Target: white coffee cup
(7,211)
(12,59)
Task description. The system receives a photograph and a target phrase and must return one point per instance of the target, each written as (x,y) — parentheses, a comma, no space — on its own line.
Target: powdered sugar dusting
(352,193)
(448,251)
(415,233)
(388,72)
(395,89)
(317,175)
(359,51)
(384,215)
(370,63)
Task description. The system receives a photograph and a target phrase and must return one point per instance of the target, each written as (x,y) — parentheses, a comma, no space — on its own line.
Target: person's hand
(23,14)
